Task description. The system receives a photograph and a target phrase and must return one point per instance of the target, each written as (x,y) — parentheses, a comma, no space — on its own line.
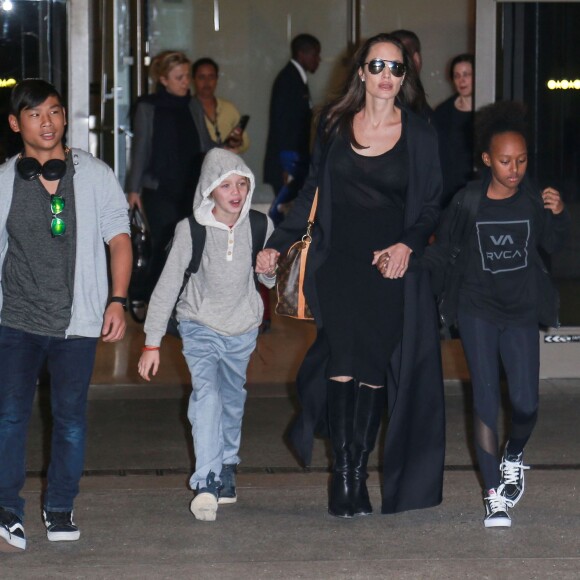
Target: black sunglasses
(377,65)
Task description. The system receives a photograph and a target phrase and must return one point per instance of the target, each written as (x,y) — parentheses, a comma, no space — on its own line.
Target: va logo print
(502,240)
(503,246)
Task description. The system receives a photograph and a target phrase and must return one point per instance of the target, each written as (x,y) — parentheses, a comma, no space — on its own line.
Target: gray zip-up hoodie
(101,214)
(222,294)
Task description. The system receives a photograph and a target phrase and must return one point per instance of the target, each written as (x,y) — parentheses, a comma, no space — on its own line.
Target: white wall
(446,28)
(252,45)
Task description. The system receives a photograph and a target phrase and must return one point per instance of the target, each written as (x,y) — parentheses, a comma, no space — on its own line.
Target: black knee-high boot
(340,423)
(370,404)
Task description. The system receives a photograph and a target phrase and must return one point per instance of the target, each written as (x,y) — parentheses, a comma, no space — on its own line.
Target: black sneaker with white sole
(227,493)
(12,534)
(496,511)
(60,526)
(512,477)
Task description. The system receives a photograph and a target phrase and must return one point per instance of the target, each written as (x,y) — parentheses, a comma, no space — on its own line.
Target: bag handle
(307,236)
(137,218)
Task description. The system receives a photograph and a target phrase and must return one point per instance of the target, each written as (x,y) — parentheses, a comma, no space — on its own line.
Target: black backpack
(442,262)
(259,227)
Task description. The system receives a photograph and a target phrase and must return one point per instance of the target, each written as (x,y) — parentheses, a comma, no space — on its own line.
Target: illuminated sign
(564,85)
(7,83)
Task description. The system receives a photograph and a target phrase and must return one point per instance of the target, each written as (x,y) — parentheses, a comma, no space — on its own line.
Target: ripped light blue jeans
(218,366)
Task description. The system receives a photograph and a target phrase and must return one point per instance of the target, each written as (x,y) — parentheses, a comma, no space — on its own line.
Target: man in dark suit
(412,45)
(288,146)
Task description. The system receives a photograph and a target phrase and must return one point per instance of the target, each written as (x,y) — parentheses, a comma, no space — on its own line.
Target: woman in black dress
(377,170)
(170,142)
(453,119)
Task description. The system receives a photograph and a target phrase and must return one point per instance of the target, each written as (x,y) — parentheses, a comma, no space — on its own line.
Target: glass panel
(539,59)
(122,92)
(32,45)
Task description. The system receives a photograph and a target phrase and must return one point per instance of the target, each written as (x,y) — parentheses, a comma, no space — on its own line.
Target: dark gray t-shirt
(38,272)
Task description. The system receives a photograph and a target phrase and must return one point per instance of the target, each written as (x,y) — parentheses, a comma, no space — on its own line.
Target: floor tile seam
(345,559)
(180,392)
(281,470)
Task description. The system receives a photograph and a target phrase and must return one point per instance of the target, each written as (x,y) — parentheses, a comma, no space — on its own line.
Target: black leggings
(518,347)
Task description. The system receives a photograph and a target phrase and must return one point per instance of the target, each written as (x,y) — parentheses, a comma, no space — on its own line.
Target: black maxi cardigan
(415,442)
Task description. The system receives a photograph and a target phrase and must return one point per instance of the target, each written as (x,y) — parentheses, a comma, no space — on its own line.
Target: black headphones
(30,168)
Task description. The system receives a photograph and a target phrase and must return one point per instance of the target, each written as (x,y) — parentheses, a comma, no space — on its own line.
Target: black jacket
(415,443)
(447,275)
(290,122)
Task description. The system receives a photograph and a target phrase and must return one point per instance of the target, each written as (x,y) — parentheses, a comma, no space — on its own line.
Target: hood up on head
(217,165)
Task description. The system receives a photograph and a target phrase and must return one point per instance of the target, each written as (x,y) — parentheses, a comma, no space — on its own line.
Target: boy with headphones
(58,209)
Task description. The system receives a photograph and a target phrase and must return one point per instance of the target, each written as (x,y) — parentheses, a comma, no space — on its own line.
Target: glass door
(113,127)
(32,45)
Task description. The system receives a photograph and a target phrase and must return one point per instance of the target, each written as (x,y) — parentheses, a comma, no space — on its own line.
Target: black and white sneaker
(496,511)
(12,534)
(227,493)
(60,526)
(512,477)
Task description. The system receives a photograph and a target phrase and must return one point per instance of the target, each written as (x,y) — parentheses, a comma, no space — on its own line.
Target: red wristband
(146,348)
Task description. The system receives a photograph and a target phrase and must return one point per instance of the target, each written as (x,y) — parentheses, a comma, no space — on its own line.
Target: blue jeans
(218,366)
(70,364)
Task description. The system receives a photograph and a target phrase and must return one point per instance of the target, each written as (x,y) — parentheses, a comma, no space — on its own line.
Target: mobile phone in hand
(242,123)
(235,137)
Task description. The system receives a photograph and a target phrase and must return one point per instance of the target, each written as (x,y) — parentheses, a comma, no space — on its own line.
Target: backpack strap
(465,219)
(197,245)
(259,227)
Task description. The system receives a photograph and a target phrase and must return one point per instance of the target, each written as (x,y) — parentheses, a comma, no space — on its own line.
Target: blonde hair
(164,62)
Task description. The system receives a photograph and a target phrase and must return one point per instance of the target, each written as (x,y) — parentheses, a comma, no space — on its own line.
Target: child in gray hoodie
(219,312)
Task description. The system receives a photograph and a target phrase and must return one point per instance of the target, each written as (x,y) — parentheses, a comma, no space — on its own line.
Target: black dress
(362,312)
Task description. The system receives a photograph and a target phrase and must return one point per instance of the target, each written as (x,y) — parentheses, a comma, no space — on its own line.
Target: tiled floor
(133,505)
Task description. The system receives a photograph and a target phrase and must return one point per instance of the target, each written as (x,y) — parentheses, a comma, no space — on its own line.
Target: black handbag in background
(141,245)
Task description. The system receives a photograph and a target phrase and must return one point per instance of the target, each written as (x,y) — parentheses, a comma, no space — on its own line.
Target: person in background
(59,208)
(498,291)
(221,116)
(376,169)
(288,145)
(412,45)
(170,140)
(453,120)
(219,312)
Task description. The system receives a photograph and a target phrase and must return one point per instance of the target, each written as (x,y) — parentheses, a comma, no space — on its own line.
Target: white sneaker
(204,506)
(512,477)
(496,511)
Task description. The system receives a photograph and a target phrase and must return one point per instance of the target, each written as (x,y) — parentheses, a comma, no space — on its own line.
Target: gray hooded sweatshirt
(222,294)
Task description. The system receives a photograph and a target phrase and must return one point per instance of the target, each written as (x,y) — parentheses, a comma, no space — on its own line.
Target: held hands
(552,200)
(393,261)
(149,362)
(266,262)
